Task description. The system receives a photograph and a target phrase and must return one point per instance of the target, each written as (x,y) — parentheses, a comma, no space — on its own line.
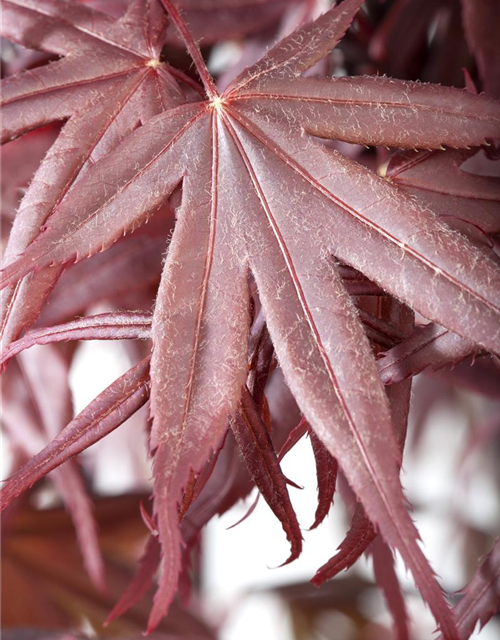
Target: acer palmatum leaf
(416,239)
(251,428)
(256,447)
(229,482)
(141,582)
(357,284)
(138,261)
(441,181)
(296,434)
(380,331)
(361,532)
(109,81)
(104,414)
(359,537)
(100,56)
(248,512)
(481,597)
(326,473)
(200,338)
(106,326)
(430,347)
(95,213)
(458,196)
(387,580)
(261,364)
(269,198)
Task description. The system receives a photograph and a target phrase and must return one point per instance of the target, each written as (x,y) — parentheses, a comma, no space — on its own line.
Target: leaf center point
(153,63)
(218,104)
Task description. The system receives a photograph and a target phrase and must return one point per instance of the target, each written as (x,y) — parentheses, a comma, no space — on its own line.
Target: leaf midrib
(279,97)
(69,85)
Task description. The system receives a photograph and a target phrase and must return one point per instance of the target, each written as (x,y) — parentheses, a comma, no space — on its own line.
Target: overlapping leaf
(107,83)
(362,532)
(481,597)
(466,200)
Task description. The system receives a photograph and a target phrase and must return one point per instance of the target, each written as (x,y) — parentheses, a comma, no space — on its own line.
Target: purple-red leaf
(326,472)
(360,535)
(106,326)
(481,599)
(257,450)
(137,260)
(442,181)
(200,337)
(76,87)
(361,531)
(387,580)
(296,434)
(260,194)
(141,582)
(429,347)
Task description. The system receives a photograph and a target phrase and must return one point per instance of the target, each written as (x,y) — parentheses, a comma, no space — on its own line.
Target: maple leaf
(385,573)
(108,81)
(260,195)
(138,258)
(326,468)
(255,444)
(105,326)
(480,599)
(102,58)
(466,201)
(211,20)
(361,531)
(457,190)
(430,347)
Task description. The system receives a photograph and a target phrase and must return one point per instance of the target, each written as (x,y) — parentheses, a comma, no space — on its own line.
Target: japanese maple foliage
(285,252)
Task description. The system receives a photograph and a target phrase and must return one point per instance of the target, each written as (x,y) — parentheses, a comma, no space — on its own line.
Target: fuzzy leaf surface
(259,194)
(106,84)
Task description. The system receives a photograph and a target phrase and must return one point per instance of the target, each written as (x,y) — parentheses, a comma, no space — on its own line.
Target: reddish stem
(192,48)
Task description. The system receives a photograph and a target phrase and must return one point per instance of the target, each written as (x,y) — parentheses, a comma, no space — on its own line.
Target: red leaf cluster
(288,250)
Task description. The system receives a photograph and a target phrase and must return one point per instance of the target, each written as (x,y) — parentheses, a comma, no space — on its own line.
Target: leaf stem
(193,49)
